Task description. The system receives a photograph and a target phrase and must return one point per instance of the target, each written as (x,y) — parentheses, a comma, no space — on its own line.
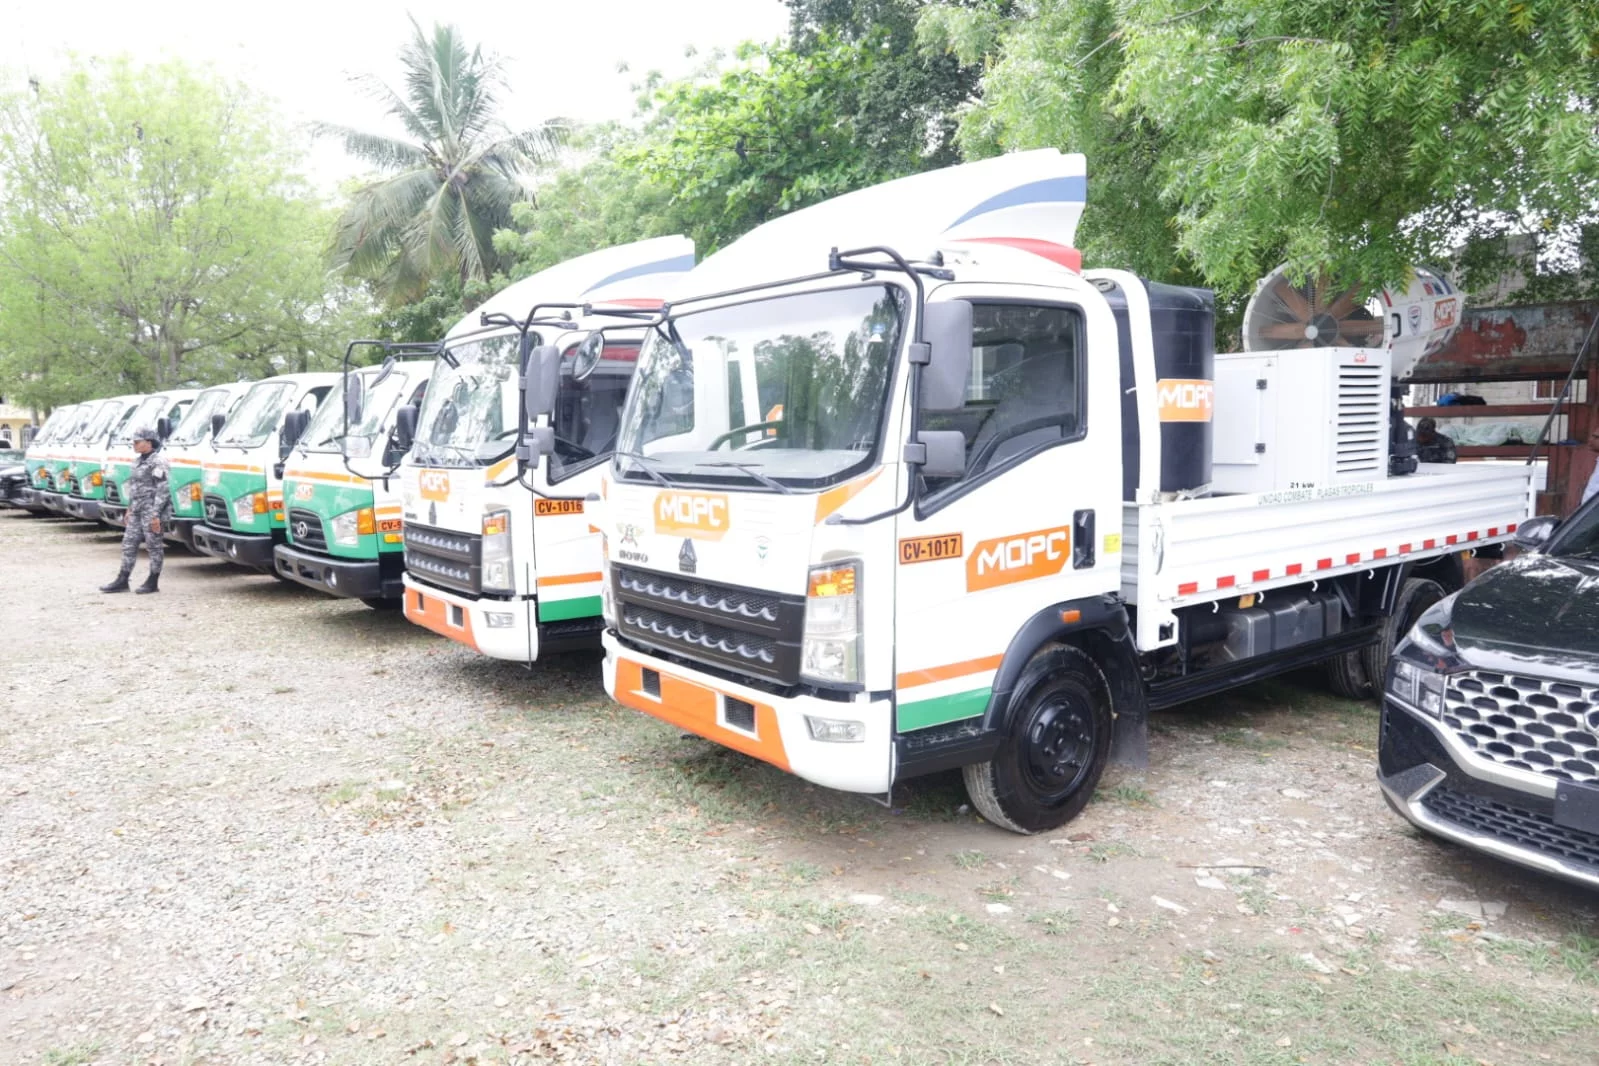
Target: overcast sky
(562,58)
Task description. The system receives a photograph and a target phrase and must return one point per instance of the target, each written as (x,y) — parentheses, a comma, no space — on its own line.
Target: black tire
(1346,676)
(379,603)
(1415,596)
(1057,747)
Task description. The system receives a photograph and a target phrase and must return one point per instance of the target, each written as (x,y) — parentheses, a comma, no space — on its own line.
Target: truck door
(1034,521)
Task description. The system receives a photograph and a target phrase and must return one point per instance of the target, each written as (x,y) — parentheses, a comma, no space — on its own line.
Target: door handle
(1082,540)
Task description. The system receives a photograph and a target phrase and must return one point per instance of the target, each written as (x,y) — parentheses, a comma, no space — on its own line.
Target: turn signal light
(97,479)
(834,581)
(258,503)
(495,523)
(365,522)
(194,491)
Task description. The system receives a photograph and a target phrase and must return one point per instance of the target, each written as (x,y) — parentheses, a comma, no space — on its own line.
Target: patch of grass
(803,873)
(76,1055)
(1128,795)
(348,792)
(1106,850)
(1249,739)
(998,891)
(1575,957)
(1252,893)
(1054,923)
(283,690)
(969,859)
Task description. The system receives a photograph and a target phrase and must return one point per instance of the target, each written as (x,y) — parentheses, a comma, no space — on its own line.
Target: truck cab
(941,499)
(185,451)
(39,455)
(85,477)
(241,479)
(159,411)
(503,555)
(341,486)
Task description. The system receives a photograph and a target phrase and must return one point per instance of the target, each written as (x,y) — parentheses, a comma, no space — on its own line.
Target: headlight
(497,573)
(1419,670)
(246,507)
(349,527)
(831,652)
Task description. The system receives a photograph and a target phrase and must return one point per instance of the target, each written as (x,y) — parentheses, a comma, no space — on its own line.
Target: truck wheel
(1346,676)
(1058,744)
(1417,594)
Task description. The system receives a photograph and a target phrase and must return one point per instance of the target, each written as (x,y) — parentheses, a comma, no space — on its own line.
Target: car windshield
(9,455)
(326,429)
(1578,538)
(57,423)
(102,421)
(196,421)
(257,415)
(792,387)
(469,415)
(144,416)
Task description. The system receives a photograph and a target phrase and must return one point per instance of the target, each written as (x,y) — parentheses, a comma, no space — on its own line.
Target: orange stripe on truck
(570,579)
(949,671)
(430,612)
(694,707)
(833,499)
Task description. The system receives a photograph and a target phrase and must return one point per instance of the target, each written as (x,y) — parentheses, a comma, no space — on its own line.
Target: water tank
(1183,324)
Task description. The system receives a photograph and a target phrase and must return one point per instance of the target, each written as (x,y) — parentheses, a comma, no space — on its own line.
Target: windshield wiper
(754,471)
(644,462)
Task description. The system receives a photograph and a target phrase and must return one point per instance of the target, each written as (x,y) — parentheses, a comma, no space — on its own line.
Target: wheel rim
(1061,739)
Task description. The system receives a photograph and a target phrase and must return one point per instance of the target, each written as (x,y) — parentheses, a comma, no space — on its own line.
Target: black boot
(151,583)
(119,585)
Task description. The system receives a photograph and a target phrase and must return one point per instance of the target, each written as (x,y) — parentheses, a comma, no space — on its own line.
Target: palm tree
(451,185)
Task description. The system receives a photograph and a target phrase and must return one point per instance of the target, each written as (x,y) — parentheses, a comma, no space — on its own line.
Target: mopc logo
(304,490)
(691,514)
(435,485)
(1018,557)
(212,476)
(1185,400)
(1444,312)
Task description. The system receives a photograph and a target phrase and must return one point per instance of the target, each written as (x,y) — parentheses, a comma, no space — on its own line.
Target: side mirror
(289,435)
(354,397)
(163,428)
(1534,533)
(942,453)
(948,358)
(541,377)
(217,422)
(405,427)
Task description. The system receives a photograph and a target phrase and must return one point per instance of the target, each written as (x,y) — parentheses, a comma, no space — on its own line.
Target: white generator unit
(1300,419)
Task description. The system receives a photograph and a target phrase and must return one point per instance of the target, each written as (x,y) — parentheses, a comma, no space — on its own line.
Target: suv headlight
(831,650)
(351,526)
(1419,671)
(497,573)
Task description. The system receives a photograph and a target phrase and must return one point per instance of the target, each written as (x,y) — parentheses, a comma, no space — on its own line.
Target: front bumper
(13,492)
(82,509)
(465,619)
(54,502)
(113,515)
(1445,792)
(181,531)
(247,549)
(769,727)
(356,578)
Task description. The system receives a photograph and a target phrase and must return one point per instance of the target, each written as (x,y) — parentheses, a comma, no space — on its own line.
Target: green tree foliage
(451,185)
(153,232)
(1224,137)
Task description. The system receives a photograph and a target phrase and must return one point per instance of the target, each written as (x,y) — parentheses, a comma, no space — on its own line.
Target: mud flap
(1129,744)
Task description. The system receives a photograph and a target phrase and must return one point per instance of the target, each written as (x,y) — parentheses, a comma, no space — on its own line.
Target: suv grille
(444,557)
(216,512)
(747,630)
(1517,825)
(1548,727)
(305,528)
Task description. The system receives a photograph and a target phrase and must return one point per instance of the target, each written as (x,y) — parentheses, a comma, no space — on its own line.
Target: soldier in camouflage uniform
(149,507)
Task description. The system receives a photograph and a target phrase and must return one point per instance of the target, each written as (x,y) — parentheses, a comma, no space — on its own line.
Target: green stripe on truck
(576,607)
(941,709)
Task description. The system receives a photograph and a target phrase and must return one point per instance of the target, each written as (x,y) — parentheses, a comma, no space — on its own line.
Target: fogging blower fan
(1410,322)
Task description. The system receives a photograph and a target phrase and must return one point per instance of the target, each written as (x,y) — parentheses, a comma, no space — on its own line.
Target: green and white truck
(84,483)
(241,481)
(160,411)
(186,450)
(340,489)
(41,453)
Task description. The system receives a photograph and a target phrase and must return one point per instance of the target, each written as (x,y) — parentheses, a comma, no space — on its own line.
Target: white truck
(186,451)
(500,554)
(160,411)
(947,500)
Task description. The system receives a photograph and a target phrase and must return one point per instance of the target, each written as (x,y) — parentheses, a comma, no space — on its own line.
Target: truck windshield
(150,408)
(469,415)
(53,425)
(101,423)
(1578,538)
(326,430)
(257,415)
(196,421)
(792,387)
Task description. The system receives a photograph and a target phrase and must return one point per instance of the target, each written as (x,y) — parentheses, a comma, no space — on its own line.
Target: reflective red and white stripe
(1432,544)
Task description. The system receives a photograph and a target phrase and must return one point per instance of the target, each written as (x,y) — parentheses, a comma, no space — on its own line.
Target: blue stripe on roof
(1073,189)
(661,266)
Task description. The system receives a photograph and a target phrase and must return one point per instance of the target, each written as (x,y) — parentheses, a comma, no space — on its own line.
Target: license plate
(1577,807)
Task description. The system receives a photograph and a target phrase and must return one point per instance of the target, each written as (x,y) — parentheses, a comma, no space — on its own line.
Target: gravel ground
(240,823)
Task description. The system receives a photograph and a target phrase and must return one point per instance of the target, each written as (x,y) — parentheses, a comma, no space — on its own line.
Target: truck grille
(305,528)
(112,493)
(747,630)
(445,558)
(216,512)
(1548,727)
(1517,825)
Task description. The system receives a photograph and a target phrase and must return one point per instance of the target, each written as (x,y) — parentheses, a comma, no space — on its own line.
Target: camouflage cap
(146,433)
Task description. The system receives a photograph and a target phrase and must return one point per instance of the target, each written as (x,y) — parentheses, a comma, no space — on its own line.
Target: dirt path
(243,824)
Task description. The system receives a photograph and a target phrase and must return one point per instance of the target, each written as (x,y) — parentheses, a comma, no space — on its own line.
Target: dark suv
(1490,721)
